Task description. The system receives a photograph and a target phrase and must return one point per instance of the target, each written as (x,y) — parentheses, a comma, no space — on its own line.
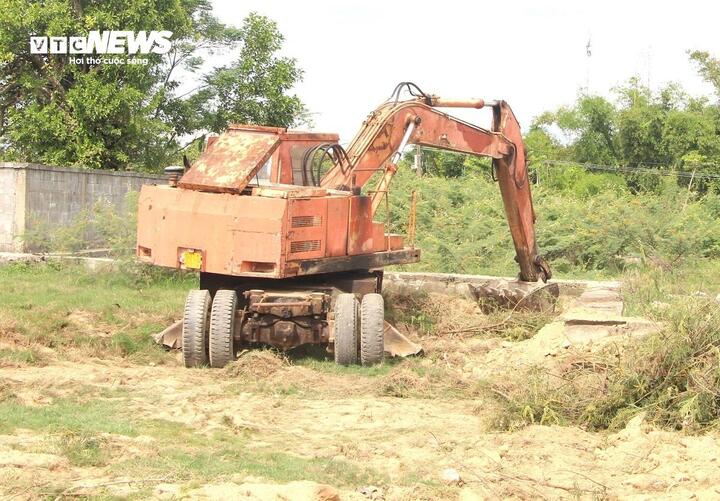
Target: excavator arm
(387,130)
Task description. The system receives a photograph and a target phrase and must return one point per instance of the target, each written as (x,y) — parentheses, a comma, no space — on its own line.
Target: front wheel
(345,329)
(194,328)
(372,327)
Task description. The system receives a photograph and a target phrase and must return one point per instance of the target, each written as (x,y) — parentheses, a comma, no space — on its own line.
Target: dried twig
(73,488)
(503,321)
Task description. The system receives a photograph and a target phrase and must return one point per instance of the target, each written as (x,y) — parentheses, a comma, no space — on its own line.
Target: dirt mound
(403,383)
(256,364)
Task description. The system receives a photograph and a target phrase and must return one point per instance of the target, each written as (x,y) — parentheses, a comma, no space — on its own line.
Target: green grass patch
(19,356)
(218,460)
(76,427)
(328,366)
(82,449)
(66,415)
(64,306)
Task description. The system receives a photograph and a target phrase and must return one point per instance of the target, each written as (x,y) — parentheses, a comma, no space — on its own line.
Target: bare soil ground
(271,428)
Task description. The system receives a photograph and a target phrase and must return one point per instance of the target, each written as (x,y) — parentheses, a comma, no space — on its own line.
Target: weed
(15,357)
(672,375)
(82,448)
(66,415)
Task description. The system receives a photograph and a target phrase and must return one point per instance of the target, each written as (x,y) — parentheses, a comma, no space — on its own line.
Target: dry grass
(673,376)
(434,314)
(257,364)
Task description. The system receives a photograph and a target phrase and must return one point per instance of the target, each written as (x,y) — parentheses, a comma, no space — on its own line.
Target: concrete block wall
(39,194)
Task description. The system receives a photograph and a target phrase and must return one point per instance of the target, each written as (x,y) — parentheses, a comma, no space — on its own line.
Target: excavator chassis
(343,311)
(289,313)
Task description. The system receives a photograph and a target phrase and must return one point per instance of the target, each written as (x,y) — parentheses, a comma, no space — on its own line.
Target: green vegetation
(83,431)
(103,226)
(672,376)
(21,357)
(667,129)
(138,116)
(64,306)
(589,225)
(82,449)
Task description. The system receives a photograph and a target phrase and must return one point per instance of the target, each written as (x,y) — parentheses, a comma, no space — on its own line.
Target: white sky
(530,53)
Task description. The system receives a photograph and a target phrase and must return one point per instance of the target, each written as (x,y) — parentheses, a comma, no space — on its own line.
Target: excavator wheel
(345,329)
(372,325)
(194,328)
(222,328)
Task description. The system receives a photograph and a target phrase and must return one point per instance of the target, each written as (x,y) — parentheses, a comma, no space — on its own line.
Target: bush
(588,226)
(102,226)
(673,376)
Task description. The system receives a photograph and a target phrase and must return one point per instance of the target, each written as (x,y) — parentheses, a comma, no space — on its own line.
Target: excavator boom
(394,124)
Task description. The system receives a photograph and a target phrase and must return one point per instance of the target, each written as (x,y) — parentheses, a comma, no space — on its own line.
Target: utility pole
(588,52)
(418,161)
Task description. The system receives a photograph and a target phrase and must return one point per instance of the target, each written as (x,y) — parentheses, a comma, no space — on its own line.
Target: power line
(632,170)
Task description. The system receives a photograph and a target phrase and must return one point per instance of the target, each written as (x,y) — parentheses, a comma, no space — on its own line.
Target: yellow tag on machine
(192,260)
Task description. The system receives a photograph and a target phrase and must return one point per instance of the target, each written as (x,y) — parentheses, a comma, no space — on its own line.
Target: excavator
(280,225)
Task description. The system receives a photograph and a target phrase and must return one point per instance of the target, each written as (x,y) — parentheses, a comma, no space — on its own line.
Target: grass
(66,307)
(66,414)
(82,430)
(19,357)
(217,461)
(672,376)
(82,449)
(328,366)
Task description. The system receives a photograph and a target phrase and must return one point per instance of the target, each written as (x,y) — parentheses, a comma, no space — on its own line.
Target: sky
(531,53)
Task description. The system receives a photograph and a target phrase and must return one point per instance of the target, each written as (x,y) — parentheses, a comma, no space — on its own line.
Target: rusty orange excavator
(280,225)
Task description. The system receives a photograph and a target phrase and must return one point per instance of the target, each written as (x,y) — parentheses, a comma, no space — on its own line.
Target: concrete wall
(12,202)
(37,194)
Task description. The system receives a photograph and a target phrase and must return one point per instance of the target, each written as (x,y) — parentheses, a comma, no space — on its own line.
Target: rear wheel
(345,329)
(194,328)
(372,326)
(222,328)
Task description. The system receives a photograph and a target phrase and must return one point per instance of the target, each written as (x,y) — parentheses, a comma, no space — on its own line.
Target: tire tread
(372,329)
(222,328)
(194,328)
(345,329)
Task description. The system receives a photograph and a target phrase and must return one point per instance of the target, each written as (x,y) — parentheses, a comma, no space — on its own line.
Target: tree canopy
(667,129)
(640,128)
(136,116)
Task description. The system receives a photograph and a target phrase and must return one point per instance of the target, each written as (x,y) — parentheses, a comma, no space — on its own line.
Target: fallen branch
(504,321)
(73,488)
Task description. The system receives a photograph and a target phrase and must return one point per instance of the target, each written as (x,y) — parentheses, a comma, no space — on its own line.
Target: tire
(345,329)
(194,328)
(222,328)
(372,328)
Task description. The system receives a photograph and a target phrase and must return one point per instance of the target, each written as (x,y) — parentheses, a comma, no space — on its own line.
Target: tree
(254,89)
(134,115)
(708,67)
(588,128)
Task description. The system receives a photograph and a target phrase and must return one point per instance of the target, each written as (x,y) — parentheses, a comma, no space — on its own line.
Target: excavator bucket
(397,345)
